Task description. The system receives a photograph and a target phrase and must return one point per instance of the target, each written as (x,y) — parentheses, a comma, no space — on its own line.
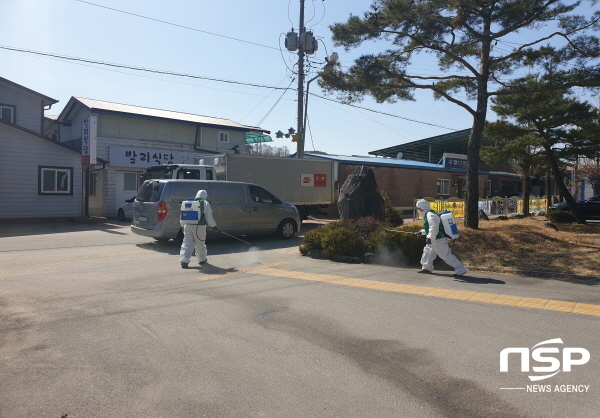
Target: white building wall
(20,158)
(110,202)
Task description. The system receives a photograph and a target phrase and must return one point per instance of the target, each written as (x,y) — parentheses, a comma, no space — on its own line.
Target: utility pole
(301,116)
(305,43)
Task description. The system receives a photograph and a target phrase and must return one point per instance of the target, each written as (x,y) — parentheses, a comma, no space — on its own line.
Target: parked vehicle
(125,211)
(238,208)
(307,183)
(589,209)
(181,172)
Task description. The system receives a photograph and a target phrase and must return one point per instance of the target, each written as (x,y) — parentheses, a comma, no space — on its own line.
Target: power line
(129,67)
(79,60)
(175,24)
(382,113)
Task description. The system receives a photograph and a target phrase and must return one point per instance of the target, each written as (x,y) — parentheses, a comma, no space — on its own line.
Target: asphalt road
(98,322)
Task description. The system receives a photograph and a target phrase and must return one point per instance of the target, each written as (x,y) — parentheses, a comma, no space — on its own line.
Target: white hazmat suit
(194,236)
(437,243)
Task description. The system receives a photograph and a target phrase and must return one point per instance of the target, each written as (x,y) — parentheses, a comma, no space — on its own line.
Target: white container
(449,224)
(190,211)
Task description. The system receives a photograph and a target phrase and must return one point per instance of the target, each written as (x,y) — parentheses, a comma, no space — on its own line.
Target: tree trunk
(562,188)
(472,200)
(526,181)
(549,192)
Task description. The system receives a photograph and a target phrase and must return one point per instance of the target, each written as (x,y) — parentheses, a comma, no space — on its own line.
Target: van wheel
(179,238)
(286,229)
(120,215)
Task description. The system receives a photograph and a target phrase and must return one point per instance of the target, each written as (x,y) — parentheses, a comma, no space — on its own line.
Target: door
(127,185)
(230,208)
(265,211)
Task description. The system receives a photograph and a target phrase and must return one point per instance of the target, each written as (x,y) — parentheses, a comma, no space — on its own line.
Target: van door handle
(244,208)
(255,208)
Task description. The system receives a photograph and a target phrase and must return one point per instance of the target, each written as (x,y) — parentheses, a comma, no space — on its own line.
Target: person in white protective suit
(194,235)
(437,243)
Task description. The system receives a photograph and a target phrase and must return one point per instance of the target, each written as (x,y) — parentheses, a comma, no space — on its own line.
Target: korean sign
(88,139)
(314,180)
(144,157)
(455,161)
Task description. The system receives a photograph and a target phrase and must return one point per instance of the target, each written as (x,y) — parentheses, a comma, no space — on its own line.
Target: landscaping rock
(359,196)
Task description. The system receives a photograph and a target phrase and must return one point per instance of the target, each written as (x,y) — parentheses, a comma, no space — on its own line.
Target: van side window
(181,192)
(258,194)
(209,175)
(227,193)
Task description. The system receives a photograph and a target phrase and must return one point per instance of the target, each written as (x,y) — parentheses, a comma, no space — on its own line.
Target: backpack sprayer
(448,226)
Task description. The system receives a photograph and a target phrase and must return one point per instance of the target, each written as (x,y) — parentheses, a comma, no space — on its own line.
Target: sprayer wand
(403,232)
(225,233)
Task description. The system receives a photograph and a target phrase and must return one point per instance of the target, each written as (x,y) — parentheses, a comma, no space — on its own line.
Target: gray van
(238,209)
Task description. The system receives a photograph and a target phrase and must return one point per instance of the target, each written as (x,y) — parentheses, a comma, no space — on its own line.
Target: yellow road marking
(532,303)
(216,276)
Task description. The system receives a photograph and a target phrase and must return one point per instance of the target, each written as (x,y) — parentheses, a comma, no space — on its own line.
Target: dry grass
(529,245)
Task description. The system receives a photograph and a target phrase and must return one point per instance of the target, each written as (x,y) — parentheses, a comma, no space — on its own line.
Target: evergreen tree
(464,35)
(558,123)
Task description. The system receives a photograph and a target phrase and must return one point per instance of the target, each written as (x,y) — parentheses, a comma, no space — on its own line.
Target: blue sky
(79,29)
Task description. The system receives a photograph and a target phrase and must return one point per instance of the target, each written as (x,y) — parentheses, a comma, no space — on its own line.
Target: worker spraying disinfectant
(436,241)
(196,214)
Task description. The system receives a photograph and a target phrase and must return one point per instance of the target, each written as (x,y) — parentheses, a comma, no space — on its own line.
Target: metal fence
(492,207)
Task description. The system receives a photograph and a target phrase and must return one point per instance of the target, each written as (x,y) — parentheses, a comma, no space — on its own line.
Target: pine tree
(559,124)
(469,38)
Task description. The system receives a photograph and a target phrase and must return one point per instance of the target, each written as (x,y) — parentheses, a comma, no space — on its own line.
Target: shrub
(364,227)
(393,217)
(342,242)
(561,216)
(354,237)
(313,240)
(403,247)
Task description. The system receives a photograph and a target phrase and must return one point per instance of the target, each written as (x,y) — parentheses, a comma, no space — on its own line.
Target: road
(98,322)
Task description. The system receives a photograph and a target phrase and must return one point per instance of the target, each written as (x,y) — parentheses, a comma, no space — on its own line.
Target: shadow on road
(478,280)
(228,245)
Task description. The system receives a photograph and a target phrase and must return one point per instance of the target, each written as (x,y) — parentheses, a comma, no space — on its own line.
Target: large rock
(359,196)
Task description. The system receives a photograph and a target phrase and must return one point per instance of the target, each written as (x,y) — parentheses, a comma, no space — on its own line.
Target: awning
(256,137)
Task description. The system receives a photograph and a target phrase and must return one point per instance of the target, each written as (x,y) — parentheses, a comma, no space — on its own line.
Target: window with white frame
(93,184)
(131,182)
(55,180)
(443,187)
(7,113)
(224,137)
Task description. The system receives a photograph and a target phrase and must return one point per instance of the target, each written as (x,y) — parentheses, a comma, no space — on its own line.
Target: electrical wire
(80,60)
(130,67)
(265,98)
(175,24)
(273,107)
(382,113)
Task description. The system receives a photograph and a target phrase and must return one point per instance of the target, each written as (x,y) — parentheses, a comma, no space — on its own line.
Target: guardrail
(492,206)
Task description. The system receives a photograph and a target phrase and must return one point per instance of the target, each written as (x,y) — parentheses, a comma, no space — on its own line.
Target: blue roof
(392,162)
(380,162)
